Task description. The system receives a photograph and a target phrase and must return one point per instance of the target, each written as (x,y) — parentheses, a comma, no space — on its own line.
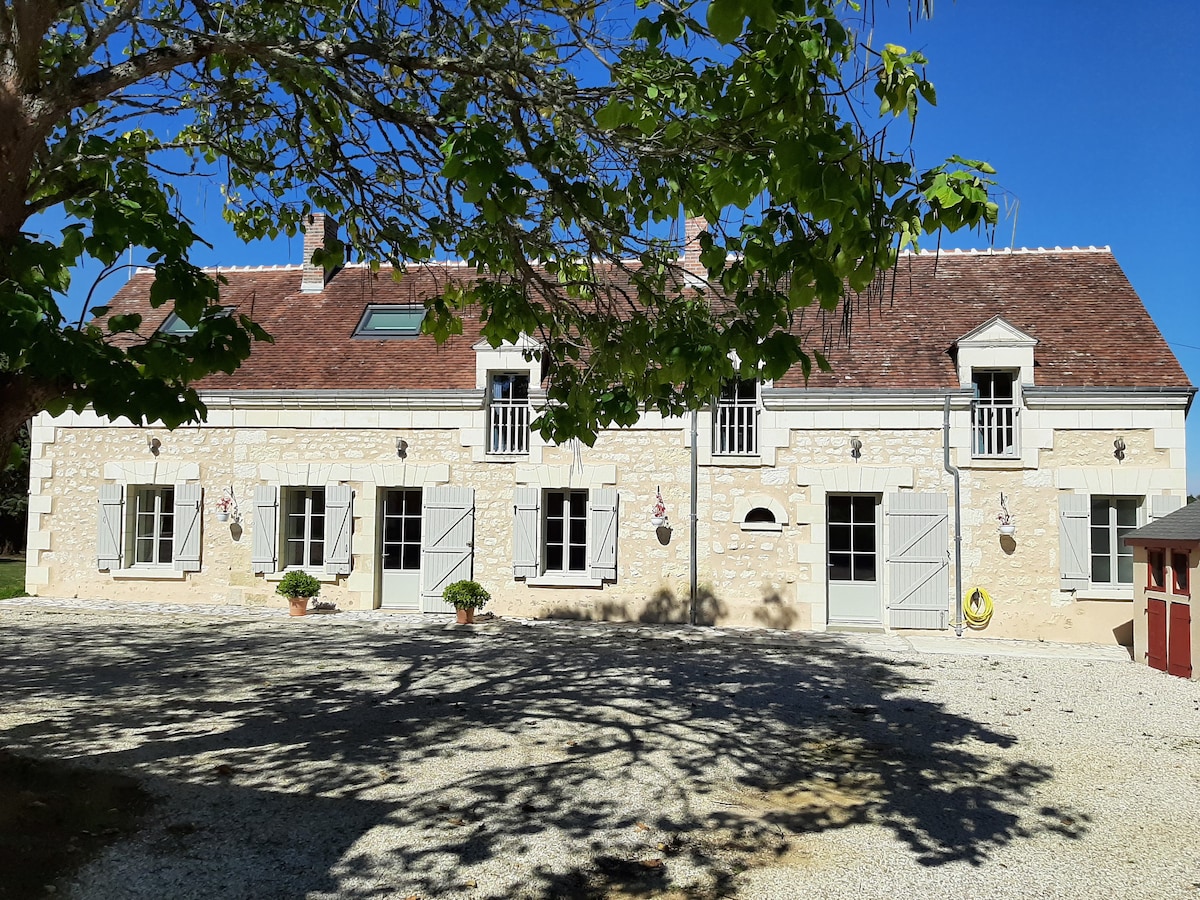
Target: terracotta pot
(297,606)
(465,616)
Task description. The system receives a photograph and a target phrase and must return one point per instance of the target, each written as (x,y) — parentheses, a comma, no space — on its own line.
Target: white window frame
(565,545)
(307,540)
(508,417)
(734,418)
(1116,548)
(992,422)
(161,512)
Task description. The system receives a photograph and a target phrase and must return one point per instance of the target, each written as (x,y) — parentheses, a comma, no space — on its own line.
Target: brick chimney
(691,244)
(320,232)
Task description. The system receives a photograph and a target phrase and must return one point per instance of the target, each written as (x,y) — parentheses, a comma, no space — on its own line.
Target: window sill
(996,462)
(774,527)
(505,457)
(573,581)
(1105,593)
(319,574)
(729,459)
(148,574)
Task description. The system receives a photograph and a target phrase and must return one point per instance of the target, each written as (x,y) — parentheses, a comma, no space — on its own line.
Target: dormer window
(384,321)
(735,419)
(508,413)
(994,413)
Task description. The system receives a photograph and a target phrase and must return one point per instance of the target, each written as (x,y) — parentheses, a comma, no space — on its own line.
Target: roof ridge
(1005,251)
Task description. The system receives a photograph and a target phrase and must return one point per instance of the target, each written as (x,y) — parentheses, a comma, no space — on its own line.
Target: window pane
(554,531)
(864,566)
(839,509)
(864,538)
(1101,570)
(839,566)
(295,502)
(1157,569)
(391,557)
(412,557)
(1126,512)
(318,501)
(316,553)
(1100,510)
(863,509)
(164,550)
(578,504)
(1125,570)
(412,530)
(393,503)
(294,554)
(554,558)
(760,514)
(1100,540)
(554,504)
(578,556)
(839,538)
(393,530)
(145,550)
(578,532)
(1179,564)
(294,528)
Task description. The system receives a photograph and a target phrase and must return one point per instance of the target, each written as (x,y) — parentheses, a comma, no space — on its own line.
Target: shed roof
(1183,525)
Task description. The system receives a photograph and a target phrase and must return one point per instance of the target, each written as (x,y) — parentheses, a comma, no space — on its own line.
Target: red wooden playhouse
(1166,633)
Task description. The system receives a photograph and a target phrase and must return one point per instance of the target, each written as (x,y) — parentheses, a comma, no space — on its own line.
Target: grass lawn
(12,578)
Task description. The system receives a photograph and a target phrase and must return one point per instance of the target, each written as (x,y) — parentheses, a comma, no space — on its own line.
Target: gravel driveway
(343,757)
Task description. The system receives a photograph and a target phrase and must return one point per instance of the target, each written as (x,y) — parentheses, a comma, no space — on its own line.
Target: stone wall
(749,574)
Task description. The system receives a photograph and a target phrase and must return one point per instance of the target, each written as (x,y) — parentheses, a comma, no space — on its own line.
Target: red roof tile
(1091,327)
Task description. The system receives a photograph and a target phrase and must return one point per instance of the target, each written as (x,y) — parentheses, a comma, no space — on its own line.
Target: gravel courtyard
(343,757)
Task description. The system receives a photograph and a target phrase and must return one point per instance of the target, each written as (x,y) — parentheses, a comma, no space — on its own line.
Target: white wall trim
(1117,481)
(565,476)
(385,474)
(153,471)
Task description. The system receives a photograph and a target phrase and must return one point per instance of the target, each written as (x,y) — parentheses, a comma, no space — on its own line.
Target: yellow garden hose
(977,607)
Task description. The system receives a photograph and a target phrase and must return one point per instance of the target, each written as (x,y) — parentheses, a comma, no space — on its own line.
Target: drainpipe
(694,520)
(953,470)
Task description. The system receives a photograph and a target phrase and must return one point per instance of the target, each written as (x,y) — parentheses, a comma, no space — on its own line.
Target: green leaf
(725,19)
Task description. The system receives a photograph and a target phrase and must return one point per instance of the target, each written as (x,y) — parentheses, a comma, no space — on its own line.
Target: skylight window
(176,326)
(380,321)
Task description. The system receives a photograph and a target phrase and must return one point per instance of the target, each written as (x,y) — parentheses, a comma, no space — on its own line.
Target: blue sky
(1087,110)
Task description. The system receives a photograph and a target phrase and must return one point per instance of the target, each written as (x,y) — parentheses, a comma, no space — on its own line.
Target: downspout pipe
(953,471)
(694,518)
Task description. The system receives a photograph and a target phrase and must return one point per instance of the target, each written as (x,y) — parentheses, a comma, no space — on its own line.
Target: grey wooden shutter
(603,537)
(448,542)
(339,525)
(1074,519)
(1161,505)
(110,540)
(527,532)
(918,560)
(185,549)
(266,528)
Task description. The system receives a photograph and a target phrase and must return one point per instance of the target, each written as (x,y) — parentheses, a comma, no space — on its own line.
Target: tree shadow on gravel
(547,761)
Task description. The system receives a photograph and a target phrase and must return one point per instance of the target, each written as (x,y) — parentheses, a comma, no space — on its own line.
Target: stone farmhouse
(999,420)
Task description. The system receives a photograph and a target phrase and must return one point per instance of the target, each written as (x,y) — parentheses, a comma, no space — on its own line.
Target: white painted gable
(996,345)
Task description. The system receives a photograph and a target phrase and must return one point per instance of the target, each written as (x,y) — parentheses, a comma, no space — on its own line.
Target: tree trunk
(22,398)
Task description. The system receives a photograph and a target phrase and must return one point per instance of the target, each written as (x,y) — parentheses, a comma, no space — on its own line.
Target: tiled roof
(1181,525)
(1091,327)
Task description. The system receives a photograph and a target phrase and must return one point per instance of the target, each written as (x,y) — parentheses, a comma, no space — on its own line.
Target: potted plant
(1005,518)
(466,597)
(224,505)
(298,587)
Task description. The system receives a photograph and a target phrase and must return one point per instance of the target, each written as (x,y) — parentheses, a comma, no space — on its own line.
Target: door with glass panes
(400,549)
(853,570)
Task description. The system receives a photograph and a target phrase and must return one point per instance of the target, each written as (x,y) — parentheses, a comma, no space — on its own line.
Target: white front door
(400,549)
(852,567)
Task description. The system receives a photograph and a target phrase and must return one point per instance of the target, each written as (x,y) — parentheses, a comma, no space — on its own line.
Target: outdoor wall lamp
(1119,448)
(855,448)
(401,448)
(155,445)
